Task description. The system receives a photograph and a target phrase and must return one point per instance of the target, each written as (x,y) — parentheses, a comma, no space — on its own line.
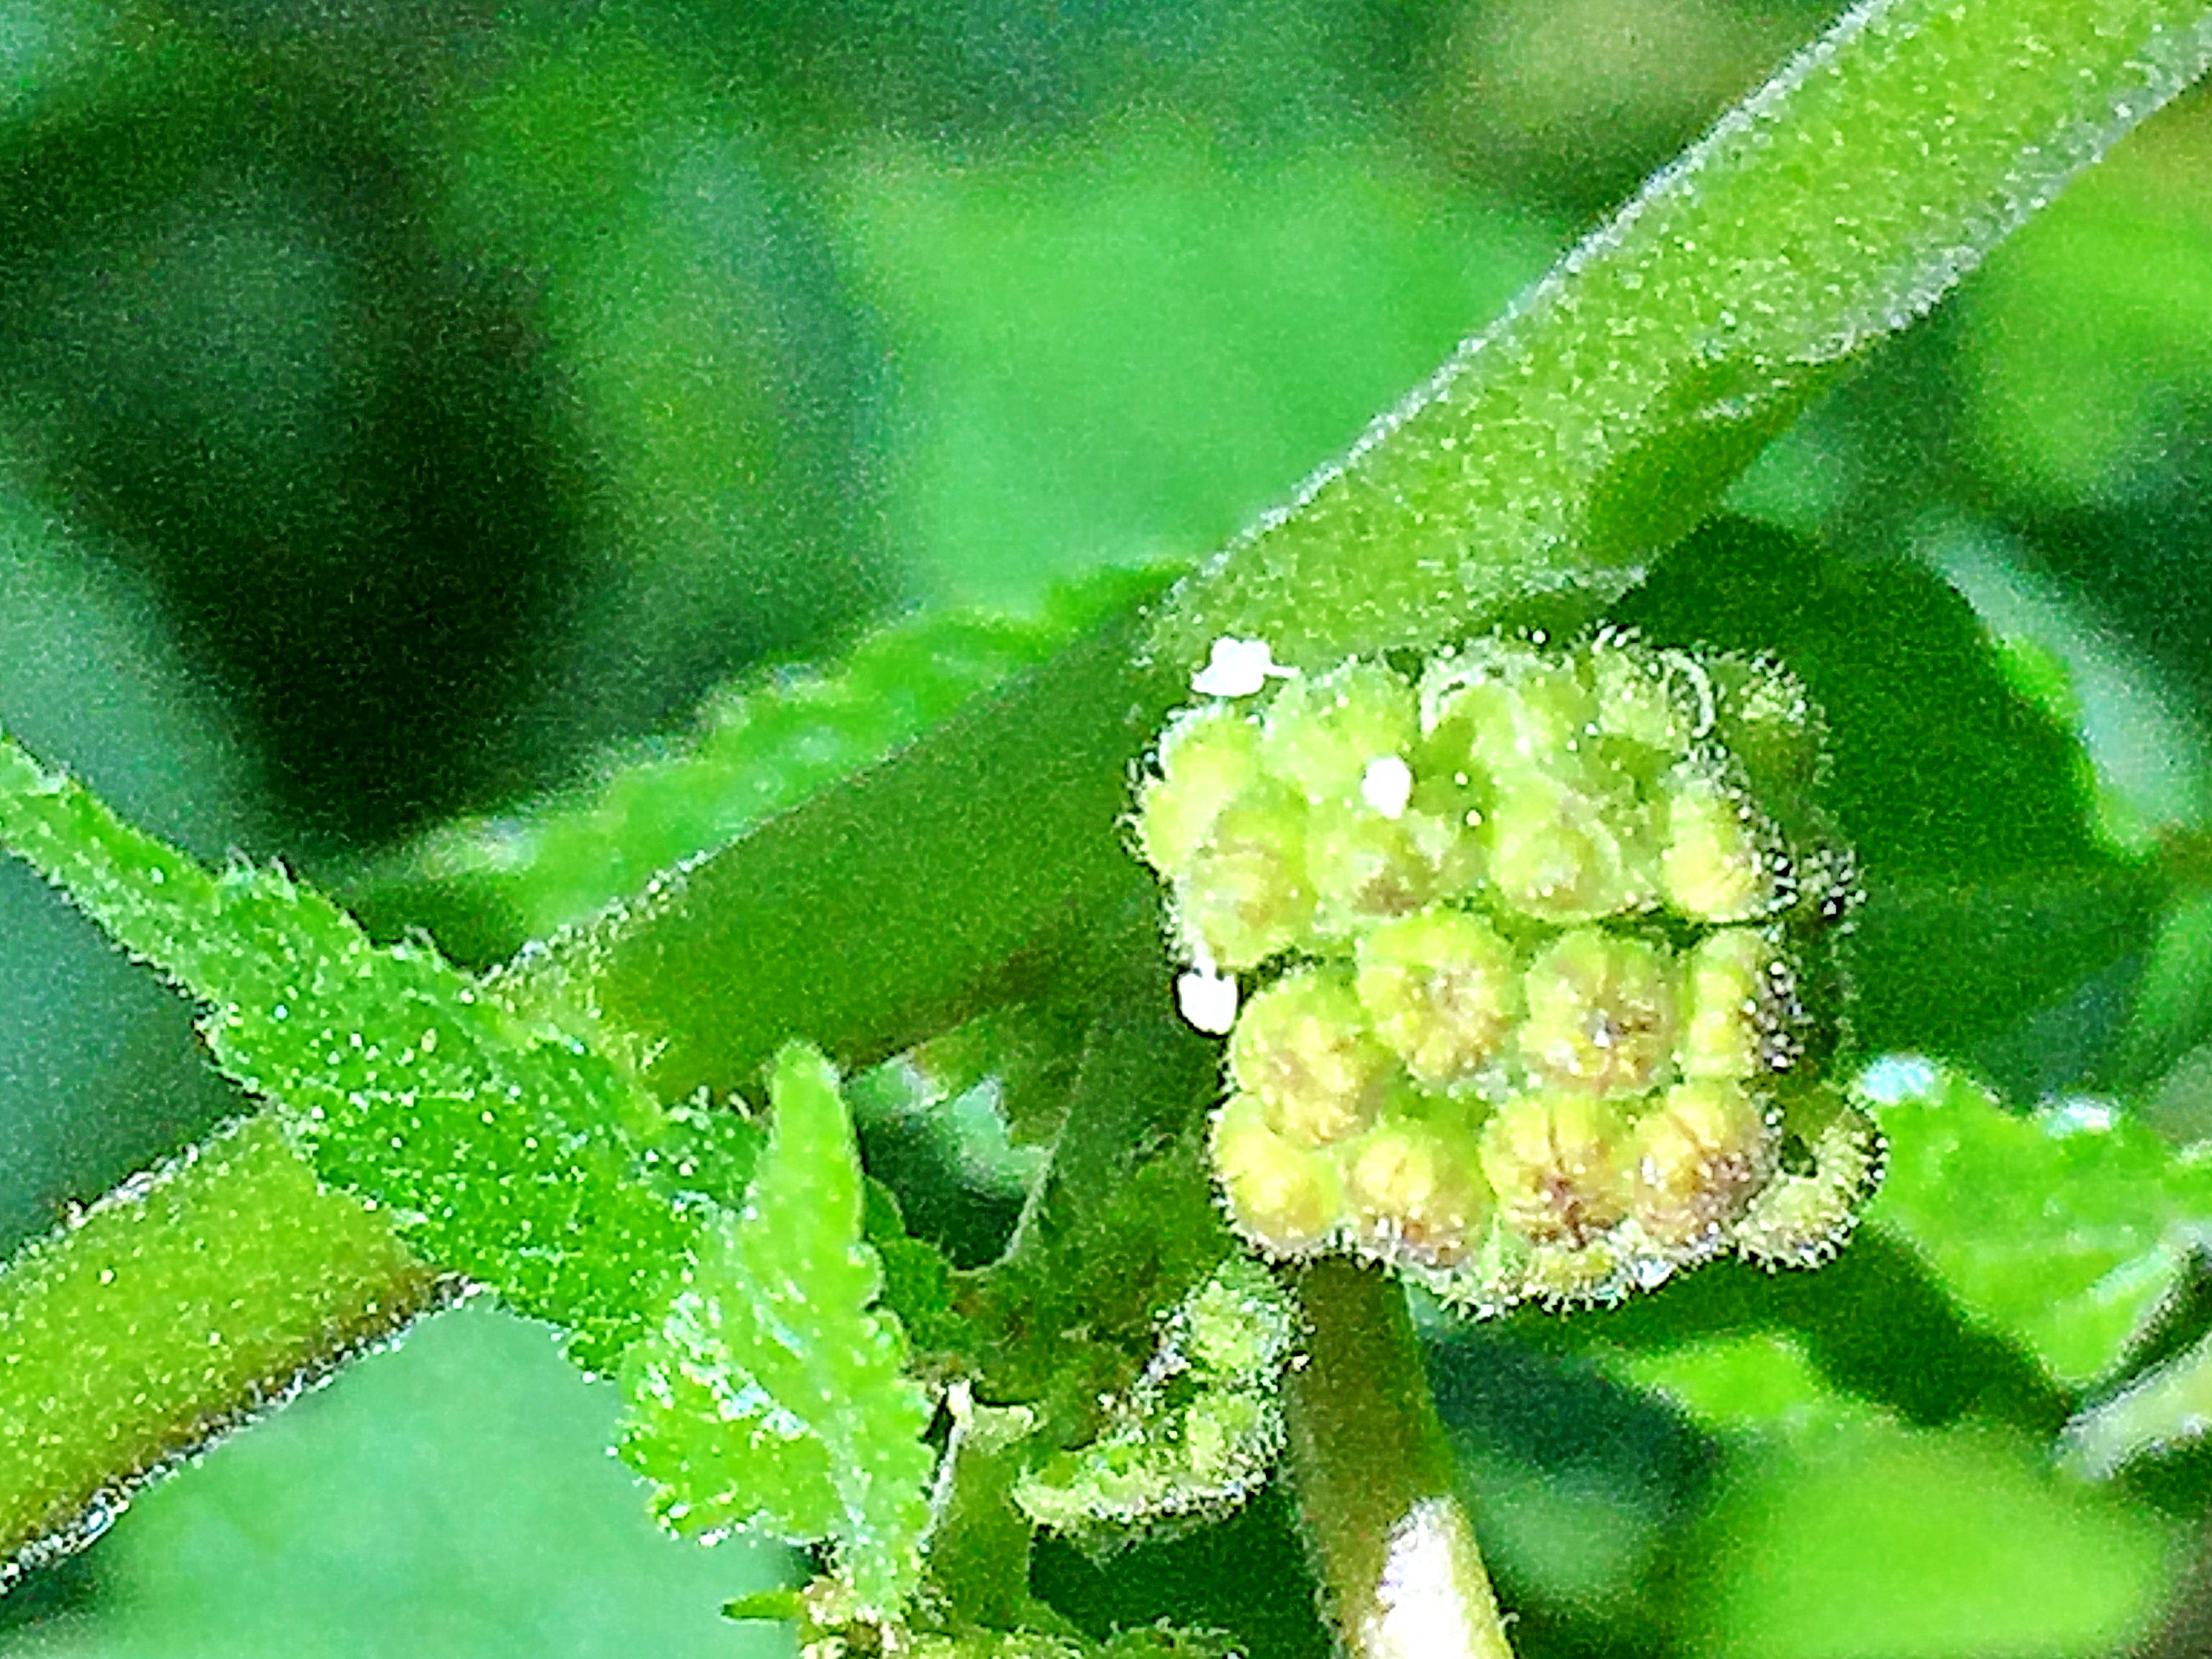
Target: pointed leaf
(772,1393)
(2064,1230)
(500,1151)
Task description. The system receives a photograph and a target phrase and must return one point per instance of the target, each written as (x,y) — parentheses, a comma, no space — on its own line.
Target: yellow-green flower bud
(1443,990)
(1245,895)
(1416,1187)
(1802,1217)
(1364,868)
(1721,862)
(1696,1160)
(1512,708)
(1735,988)
(1769,723)
(1571,850)
(1647,697)
(1554,1161)
(1600,1014)
(1323,735)
(1571,1273)
(1208,756)
(1304,1049)
(1286,1199)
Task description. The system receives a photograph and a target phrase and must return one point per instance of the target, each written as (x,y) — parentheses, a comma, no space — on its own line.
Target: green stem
(1396,1554)
(186,1301)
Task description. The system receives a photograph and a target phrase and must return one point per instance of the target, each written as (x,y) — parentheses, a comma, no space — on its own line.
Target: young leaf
(2064,1230)
(501,1151)
(772,1392)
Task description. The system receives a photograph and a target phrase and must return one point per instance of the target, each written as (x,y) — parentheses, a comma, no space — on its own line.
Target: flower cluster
(1542,941)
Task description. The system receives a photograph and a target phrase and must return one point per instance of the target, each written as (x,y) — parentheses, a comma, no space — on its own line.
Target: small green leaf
(772,1393)
(499,1150)
(2063,1231)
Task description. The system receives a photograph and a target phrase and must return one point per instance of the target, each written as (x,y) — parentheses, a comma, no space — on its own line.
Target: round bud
(1364,868)
(1208,756)
(1800,1219)
(1734,989)
(1513,709)
(1571,849)
(1304,1049)
(1638,700)
(1770,724)
(1554,1161)
(1245,895)
(1717,865)
(1285,1199)
(1600,1014)
(1415,1186)
(1556,1273)
(1695,1160)
(1323,734)
(1442,990)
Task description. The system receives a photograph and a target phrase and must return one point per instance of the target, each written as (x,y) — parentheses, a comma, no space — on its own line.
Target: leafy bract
(772,1392)
(499,1150)
(484,885)
(2063,1230)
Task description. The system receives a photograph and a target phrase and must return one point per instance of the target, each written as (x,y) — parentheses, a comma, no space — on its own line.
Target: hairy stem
(191,1297)
(1396,1554)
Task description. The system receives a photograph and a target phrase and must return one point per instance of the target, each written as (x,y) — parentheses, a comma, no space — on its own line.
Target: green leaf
(499,1150)
(2064,1230)
(1603,416)
(759,746)
(184,1302)
(1875,1542)
(771,1393)
(2088,334)
(1108,349)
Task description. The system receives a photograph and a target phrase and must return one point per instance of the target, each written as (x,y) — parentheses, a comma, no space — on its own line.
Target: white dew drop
(1387,785)
(1208,1000)
(1238,668)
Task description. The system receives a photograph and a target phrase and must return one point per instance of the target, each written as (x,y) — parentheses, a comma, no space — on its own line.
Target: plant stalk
(1393,1546)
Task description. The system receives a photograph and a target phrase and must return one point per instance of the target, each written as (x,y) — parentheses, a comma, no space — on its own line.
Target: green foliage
(937,831)
(407,1502)
(501,1150)
(771,1393)
(759,746)
(1877,1540)
(2065,1229)
(1666,351)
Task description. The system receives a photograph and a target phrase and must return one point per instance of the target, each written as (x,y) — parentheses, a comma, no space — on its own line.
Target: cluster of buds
(1525,962)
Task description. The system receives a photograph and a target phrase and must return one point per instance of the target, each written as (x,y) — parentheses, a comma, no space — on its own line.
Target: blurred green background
(405,408)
